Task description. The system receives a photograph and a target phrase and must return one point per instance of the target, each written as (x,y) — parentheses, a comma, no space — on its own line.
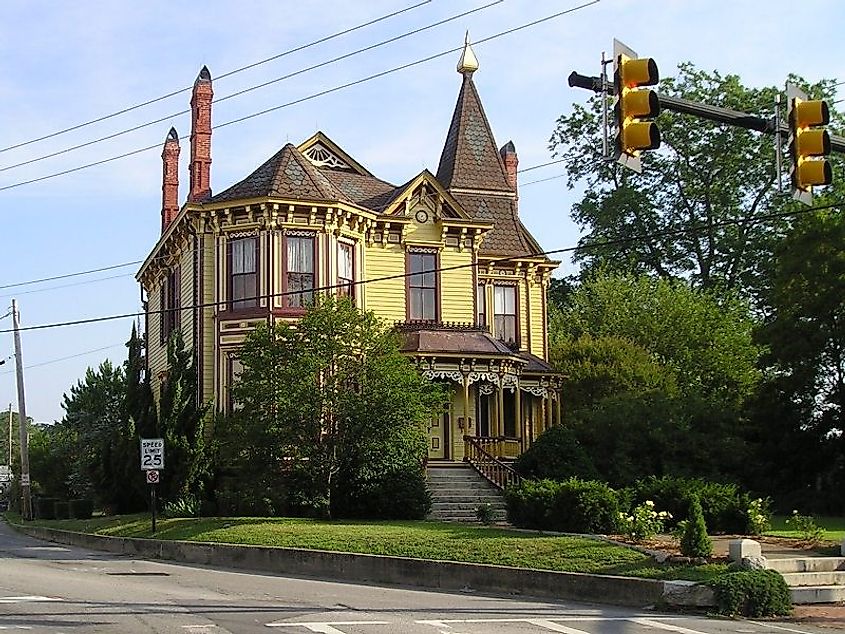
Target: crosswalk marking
(327,628)
(664,626)
(554,627)
(27,599)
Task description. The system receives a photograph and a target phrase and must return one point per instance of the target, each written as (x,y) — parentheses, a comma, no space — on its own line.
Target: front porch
(501,398)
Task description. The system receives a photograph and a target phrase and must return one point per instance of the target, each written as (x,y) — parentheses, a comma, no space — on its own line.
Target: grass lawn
(422,540)
(834,528)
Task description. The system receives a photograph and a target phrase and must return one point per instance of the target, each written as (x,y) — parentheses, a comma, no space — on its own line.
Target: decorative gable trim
(323,152)
(426,190)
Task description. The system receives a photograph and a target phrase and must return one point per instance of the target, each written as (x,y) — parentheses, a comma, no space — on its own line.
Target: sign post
(152,461)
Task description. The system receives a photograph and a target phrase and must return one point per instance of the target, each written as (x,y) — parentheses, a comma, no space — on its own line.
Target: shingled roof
(509,237)
(470,158)
(287,174)
(367,191)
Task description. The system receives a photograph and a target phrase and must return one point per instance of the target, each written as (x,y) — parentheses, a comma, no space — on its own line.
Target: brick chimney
(200,167)
(511,162)
(170,179)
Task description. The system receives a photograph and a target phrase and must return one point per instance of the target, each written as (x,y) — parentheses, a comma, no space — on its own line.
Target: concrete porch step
(798,579)
(802,595)
(806,564)
(468,499)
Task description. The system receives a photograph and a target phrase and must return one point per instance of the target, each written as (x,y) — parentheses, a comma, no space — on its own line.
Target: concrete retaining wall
(382,570)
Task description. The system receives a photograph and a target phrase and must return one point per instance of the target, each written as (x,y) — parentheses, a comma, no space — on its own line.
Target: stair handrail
(489,466)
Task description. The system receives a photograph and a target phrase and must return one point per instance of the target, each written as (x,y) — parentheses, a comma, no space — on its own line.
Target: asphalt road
(45,587)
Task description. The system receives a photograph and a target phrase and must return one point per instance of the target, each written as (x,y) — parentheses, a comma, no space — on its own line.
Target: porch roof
(466,341)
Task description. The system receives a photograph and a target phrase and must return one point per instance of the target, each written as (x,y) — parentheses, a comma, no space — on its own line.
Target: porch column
(466,406)
(558,406)
(500,414)
(548,401)
(517,405)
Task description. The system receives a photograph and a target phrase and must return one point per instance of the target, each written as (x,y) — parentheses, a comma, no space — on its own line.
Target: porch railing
(477,454)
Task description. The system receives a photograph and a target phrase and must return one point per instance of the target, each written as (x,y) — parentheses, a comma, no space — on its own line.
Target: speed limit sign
(152,454)
(152,477)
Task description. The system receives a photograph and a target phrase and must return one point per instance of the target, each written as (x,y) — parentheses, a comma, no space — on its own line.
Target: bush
(726,507)
(759,516)
(484,513)
(695,542)
(643,521)
(752,593)
(186,506)
(556,455)
(572,506)
(61,509)
(81,509)
(806,525)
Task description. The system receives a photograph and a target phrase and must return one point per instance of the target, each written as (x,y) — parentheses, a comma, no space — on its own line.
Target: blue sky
(64,63)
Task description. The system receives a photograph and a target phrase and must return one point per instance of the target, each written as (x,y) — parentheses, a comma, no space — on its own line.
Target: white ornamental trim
(452,375)
(536,390)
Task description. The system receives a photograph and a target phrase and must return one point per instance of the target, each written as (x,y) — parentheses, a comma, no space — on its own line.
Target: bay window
(243,268)
(345,270)
(504,313)
(299,271)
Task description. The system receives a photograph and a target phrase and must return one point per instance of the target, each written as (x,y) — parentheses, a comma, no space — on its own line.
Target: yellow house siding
(535,293)
(428,232)
(386,298)
(456,286)
(157,352)
(522,308)
(207,329)
(186,297)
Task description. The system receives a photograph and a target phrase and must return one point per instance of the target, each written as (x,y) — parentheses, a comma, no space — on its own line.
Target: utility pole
(26,499)
(10,436)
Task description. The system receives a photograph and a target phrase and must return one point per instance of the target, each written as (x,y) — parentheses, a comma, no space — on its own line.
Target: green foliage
(61,509)
(333,415)
(695,542)
(759,516)
(44,508)
(572,506)
(484,513)
(643,522)
(556,455)
(181,425)
(752,593)
(187,506)
(806,526)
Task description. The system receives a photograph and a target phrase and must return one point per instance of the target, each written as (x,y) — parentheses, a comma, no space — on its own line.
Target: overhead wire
(60,359)
(252,88)
(589,245)
(297,49)
(311,96)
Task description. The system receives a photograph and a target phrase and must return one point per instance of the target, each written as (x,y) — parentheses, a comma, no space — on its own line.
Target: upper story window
(422,286)
(504,313)
(345,270)
(299,271)
(169,317)
(481,304)
(243,267)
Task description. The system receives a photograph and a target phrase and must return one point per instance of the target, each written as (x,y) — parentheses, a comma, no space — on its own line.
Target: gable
(326,154)
(425,192)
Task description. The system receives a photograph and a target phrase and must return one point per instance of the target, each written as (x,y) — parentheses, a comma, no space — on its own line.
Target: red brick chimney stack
(200,167)
(511,162)
(170,179)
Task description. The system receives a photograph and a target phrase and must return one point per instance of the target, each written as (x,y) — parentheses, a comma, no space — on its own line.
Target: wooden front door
(438,433)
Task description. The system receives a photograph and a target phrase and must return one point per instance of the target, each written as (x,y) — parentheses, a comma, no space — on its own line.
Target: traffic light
(635,106)
(809,143)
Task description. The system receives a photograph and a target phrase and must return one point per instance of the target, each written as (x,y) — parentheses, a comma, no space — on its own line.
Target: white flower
(649,503)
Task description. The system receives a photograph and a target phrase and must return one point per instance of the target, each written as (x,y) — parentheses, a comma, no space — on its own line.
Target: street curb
(385,570)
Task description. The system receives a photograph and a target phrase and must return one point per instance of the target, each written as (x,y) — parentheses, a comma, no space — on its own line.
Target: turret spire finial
(468,63)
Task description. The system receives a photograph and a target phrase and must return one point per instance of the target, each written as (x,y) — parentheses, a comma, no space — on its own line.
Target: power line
(252,88)
(72,284)
(330,287)
(223,76)
(543,180)
(310,97)
(72,356)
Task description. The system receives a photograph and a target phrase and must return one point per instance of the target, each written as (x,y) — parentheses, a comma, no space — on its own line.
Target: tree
(333,412)
(668,221)
(657,373)
(181,425)
(139,395)
(805,337)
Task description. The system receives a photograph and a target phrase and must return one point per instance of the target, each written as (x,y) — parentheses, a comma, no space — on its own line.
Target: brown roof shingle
(287,174)
(367,191)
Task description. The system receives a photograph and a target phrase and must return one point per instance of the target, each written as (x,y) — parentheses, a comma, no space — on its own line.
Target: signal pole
(26,499)
(10,436)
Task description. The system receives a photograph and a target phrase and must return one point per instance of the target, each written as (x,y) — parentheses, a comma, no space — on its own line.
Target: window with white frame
(422,286)
(481,304)
(243,272)
(504,313)
(299,276)
(345,270)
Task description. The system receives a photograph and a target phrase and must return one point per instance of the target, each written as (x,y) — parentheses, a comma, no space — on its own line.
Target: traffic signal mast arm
(705,111)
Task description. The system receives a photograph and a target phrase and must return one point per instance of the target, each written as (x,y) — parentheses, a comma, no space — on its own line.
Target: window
(481,303)
(504,313)
(422,287)
(169,317)
(235,370)
(345,270)
(300,271)
(243,264)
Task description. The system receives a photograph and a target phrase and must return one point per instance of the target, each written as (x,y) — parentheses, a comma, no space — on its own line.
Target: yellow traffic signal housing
(635,106)
(808,144)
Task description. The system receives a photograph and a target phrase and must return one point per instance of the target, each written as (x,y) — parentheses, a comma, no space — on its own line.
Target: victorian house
(444,258)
